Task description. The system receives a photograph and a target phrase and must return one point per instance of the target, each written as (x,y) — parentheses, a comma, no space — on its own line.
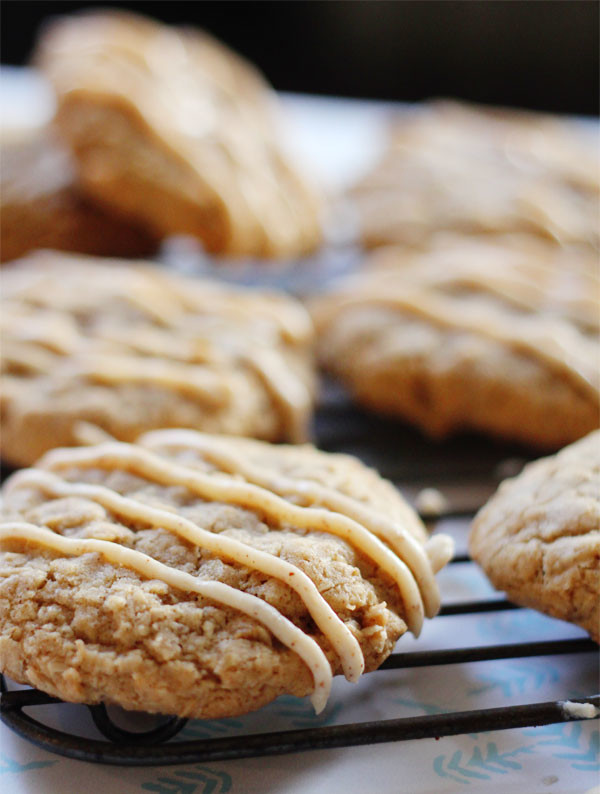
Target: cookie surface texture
(129,347)
(472,170)
(169,127)
(538,538)
(203,575)
(41,205)
(498,336)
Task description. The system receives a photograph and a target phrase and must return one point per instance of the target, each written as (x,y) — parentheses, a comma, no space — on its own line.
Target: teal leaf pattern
(294,712)
(301,713)
(10,765)
(489,760)
(563,734)
(202,780)
(583,753)
(207,729)
(516,678)
(589,760)
(428,708)
(571,736)
(517,623)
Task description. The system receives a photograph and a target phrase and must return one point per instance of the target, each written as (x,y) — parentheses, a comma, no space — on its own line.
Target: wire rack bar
(470,607)
(487,653)
(459,557)
(281,743)
(340,428)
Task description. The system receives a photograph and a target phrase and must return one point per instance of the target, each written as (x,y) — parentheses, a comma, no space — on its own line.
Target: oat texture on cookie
(538,538)
(129,347)
(205,575)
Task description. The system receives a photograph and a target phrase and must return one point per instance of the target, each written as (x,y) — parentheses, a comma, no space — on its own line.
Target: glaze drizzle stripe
(402,542)
(342,640)
(282,628)
(263,331)
(550,342)
(250,496)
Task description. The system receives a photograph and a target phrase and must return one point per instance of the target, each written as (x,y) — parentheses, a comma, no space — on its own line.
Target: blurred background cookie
(41,205)
(477,170)
(128,348)
(498,335)
(538,538)
(171,129)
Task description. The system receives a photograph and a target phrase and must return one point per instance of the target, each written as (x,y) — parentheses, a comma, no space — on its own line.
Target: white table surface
(339,139)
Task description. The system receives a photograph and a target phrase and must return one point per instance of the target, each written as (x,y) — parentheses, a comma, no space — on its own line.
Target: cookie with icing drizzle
(205,575)
(538,537)
(128,347)
(498,335)
(171,128)
(41,205)
(474,170)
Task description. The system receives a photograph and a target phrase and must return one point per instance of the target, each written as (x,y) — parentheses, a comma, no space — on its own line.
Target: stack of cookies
(161,551)
(165,131)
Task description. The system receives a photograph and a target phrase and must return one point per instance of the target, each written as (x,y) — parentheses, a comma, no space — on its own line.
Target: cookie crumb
(431,502)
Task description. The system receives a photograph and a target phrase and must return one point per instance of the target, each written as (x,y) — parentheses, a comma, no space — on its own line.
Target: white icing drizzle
(200,383)
(529,294)
(282,628)
(27,356)
(209,386)
(291,394)
(131,320)
(551,341)
(357,523)
(394,534)
(88,434)
(232,491)
(342,640)
(439,549)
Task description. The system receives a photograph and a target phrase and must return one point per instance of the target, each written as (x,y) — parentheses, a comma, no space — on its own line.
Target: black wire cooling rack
(467,470)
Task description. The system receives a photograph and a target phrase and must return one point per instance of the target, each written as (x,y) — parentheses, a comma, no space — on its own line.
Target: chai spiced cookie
(538,537)
(41,205)
(129,347)
(204,575)
(171,128)
(461,168)
(500,336)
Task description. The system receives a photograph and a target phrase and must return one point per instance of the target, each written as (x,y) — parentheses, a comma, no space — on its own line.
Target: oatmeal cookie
(170,128)
(204,575)
(500,336)
(473,170)
(41,205)
(129,347)
(538,538)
